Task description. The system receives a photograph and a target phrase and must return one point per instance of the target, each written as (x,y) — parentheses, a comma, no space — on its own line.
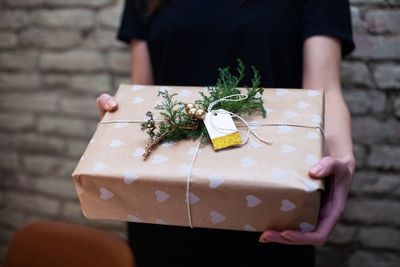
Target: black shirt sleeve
(330,18)
(133,23)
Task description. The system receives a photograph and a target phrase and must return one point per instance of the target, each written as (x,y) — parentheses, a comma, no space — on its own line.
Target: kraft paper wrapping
(253,187)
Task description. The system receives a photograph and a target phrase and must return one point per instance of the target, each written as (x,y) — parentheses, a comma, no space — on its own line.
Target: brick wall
(56,56)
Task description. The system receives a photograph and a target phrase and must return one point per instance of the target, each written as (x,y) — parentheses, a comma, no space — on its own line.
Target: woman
(294,44)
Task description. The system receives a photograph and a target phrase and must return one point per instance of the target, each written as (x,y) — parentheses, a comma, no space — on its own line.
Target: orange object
(48,244)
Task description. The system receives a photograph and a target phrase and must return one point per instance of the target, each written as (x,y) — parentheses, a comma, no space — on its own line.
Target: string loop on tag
(235,98)
(249,129)
(229,98)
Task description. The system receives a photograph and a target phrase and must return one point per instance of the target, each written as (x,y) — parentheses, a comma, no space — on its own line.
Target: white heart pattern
(99,166)
(115,143)
(252,201)
(130,177)
(133,218)
(137,100)
(313,93)
(254,124)
(249,228)
(164,89)
(185,92)
(284,129)
(192,198)
(138,152)
(192,151)
(147,118)
(281,92)
(168,143)
(287,205)
(120,125)
(278,174)
(291,114)
(215,181)
(311,159)
(288,149)
(306,227)
(91,141)
(310,186)
(315,118)
(158,159)
(160,221)
(158,102)
(137,87)
(254,145)
(161,196)
(184,169)
(216,217)
(302,105)
(247,162)
(105,194)
(269,110)
(313,135)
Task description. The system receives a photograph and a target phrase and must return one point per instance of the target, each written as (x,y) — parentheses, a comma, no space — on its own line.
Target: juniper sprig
(177,125)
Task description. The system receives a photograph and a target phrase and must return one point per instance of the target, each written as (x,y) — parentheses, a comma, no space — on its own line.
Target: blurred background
(57,56)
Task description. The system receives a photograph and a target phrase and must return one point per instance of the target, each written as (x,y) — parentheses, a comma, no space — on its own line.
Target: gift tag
(221,129)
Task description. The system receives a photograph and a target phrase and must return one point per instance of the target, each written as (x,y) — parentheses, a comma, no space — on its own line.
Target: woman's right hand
(105,103)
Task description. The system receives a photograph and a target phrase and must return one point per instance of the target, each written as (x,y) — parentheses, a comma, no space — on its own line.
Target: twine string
(188,178)
(243,122)
(188,206)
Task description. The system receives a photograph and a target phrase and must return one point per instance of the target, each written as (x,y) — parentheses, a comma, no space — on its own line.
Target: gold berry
(200,114)
(192,112)
(188,107)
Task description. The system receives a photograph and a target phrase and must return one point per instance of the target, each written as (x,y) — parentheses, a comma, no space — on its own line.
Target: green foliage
(177,125)
(176,122)
(227,85)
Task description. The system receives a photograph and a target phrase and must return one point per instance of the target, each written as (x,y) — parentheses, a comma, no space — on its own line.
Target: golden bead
(188,107)
(192,112)
(200,114)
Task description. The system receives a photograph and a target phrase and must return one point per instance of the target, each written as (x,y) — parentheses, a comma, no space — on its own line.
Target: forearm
(338,142)
(321,64)
(322,70)
(141,69)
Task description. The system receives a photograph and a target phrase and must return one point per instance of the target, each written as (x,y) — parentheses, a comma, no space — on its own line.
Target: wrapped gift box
(253,187)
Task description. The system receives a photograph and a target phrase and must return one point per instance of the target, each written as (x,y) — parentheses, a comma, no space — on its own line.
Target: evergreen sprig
(177,125)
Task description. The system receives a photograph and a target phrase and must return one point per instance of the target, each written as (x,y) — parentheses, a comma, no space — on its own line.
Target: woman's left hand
(338,175)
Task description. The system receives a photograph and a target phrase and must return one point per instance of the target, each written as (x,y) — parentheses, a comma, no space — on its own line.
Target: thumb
(324,167)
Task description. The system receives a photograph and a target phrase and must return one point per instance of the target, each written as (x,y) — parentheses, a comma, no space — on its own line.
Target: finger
(106,102)
(324,167)
(270,236)
(331,214)
(317,238)
(296,237)
(101,111)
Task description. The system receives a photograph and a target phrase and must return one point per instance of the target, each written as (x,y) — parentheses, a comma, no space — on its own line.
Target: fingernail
(286,236)
(263,240)
(316,169)
(111,103)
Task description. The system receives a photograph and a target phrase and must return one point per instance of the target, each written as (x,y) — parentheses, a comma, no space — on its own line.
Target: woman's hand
(321,65)
(141,73)
(104,103)
(338,175)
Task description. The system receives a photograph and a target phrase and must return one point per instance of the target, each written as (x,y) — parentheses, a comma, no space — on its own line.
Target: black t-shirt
(190,39)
